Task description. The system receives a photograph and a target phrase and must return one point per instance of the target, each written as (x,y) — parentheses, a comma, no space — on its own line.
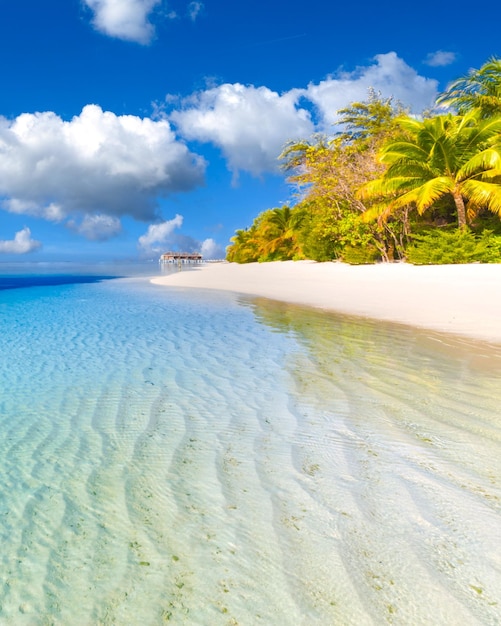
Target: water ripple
(168,456)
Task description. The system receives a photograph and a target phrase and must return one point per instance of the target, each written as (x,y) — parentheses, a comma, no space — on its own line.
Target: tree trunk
(461,209)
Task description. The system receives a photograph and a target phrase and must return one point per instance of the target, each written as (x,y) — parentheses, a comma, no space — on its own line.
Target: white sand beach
(461,299)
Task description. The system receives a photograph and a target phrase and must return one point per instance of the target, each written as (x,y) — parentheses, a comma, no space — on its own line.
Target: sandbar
(464,300)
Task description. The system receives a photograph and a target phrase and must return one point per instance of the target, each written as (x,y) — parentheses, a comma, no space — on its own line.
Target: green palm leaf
(408,168)
(480,163)
(493,175)
(479,90)
(483,194)
(425,195)
(437,158)
(402,149)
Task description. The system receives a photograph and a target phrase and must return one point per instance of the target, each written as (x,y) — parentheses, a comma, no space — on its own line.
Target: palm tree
(479,89)
(283,218)
(243,248)
(280,227)
(447,155)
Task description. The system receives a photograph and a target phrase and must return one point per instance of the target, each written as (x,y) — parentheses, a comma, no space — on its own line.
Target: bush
(360,255)
(440,247)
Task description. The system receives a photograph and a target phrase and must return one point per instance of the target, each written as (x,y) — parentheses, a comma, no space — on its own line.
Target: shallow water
(190,457)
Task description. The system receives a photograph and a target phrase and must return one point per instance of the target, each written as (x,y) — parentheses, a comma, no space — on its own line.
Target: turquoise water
(189,457)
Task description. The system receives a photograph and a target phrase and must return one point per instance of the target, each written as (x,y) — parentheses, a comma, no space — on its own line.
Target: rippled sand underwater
(181,457)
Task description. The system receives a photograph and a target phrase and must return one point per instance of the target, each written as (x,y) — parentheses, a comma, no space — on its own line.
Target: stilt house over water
(181,257)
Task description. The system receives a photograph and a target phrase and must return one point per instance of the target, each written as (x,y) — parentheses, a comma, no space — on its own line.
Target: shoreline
(463,300)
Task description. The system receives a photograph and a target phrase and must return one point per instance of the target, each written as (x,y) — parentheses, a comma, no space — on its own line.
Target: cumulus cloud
(162,237)
(97,164)
(159,235)
(124,19)
(441,58)
(211,250)
(252,124)
(389,75)
(21,244)
(97,227)
(52,212)
(249,124)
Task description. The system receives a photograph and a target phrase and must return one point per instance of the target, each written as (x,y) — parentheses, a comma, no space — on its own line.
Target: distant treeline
(389,186)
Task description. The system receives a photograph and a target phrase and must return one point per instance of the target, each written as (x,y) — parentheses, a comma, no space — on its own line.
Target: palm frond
(479,90)
(374,189)
(483,194)
(442,154)
(409,124)
(418,170)
(379,211)
(480,163)
(397,150)
(493,176)
(425,195)
(483,131)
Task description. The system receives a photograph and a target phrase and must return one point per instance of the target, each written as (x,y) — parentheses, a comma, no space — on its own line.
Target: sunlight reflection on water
(201,458)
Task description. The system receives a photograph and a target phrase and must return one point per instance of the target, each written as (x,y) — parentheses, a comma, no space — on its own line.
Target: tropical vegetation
(448,156)
(388,186)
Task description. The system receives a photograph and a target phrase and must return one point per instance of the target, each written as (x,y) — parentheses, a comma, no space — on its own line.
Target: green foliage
(448,155)
(373,119)
(316,237)
(243,248)
(479,90)
(438,247)
(272,237)
(360,194)
(328,174)
(361,255)
(328,234)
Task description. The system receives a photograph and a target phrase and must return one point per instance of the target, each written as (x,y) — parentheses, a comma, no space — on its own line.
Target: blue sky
(131,127)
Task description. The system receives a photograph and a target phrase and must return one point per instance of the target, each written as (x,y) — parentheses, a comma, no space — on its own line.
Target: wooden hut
(181,257)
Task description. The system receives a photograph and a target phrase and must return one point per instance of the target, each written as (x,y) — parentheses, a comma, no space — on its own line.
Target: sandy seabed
(460,299)
(397,441)
(196,457)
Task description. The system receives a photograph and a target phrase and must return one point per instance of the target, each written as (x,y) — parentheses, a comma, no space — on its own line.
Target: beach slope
(460,299)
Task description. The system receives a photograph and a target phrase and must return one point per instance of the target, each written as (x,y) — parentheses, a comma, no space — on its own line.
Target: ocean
(195,457)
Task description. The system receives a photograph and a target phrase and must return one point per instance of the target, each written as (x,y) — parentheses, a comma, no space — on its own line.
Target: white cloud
(21,244)
(252,124)
(98,164)
(440,58)
(124,19)
(249,124)
(389,75)
(97,227)
(212,250)
(194,10)
(52,212)
(162,237)
(158,235)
